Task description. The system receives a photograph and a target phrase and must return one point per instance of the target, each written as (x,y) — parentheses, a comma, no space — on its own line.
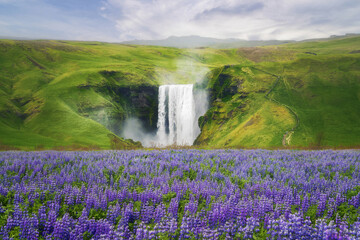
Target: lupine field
(180,194)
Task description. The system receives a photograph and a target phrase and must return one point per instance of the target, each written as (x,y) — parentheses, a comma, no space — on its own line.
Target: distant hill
(332,37)
(194,41)
(198,42)
(15,38)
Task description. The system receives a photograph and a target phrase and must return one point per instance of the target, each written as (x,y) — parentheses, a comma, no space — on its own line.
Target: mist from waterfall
(176,115)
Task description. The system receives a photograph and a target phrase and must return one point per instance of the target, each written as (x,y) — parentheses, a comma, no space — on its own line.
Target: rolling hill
(76,95)
(201,42)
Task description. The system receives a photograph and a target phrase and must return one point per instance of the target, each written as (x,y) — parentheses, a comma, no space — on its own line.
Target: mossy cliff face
(124,101)
(239,115)
(138,102)
(141,102)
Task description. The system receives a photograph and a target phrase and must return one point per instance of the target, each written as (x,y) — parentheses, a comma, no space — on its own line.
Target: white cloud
(247,19)
(119,20)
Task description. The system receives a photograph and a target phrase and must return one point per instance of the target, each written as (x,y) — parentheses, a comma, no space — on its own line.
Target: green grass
(325,94)
(64,94)
(61,93)
(244,117)
(323,90)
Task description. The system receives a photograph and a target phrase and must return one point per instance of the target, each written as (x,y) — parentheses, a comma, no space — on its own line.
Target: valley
(71,95)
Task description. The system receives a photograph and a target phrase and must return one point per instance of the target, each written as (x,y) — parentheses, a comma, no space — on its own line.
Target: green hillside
(75,95)
(297,95)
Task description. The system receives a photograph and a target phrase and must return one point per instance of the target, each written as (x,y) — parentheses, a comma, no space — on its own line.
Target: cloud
(242,9)
(119,20)
(247,19)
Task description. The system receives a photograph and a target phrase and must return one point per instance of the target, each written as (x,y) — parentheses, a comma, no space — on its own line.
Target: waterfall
(177,122)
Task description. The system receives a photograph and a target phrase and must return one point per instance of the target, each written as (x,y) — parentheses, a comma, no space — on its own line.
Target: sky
(122,20)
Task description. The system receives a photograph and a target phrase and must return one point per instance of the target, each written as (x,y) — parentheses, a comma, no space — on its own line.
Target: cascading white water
(177,122)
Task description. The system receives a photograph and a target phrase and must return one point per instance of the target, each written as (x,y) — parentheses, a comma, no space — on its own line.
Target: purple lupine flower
(29,228)
(276,183)
(50,223)
(62,228)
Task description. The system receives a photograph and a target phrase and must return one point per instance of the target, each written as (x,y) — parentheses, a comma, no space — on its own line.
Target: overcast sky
(120,20)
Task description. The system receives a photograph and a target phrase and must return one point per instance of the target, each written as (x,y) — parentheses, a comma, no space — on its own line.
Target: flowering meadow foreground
(180,194)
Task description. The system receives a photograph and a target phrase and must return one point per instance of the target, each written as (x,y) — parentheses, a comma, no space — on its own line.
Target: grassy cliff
(75,95)
(295,95)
